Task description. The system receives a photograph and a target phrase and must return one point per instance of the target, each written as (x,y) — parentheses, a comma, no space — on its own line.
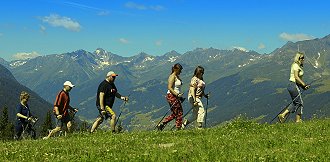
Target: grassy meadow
(238,140)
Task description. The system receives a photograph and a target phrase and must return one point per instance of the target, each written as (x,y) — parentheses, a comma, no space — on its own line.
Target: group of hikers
(107,92)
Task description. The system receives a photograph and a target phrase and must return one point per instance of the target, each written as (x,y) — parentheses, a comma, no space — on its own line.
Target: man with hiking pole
(62,109)
(105,98)
(294,86)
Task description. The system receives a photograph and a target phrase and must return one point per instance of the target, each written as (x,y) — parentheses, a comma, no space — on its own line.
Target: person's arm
(299,80)
(118,95)
(192,90)
(101,97)
(22,116)
(57,113)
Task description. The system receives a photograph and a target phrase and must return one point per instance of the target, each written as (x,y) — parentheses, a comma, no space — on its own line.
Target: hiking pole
(121,111)
(31,123)
(286,107)
(166,113)
(184,116)
(207,105)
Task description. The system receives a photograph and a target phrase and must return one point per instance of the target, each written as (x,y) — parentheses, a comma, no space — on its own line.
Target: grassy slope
(240,140)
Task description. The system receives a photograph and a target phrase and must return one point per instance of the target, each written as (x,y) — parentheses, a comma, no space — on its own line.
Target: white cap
(68,83)
(111,73)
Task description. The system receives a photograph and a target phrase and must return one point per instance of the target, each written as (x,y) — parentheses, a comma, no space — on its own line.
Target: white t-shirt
(198,84)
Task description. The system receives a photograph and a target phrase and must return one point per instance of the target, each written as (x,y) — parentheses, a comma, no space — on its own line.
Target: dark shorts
(63,121)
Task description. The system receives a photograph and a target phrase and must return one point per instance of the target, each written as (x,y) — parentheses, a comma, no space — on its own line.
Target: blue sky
(31,28)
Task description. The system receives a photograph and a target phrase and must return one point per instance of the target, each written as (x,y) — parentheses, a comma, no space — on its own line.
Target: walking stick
(286,107)
(121,111)
(207,105)
(184,116)
(166,113)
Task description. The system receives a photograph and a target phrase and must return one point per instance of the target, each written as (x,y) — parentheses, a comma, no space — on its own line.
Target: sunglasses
(302,58)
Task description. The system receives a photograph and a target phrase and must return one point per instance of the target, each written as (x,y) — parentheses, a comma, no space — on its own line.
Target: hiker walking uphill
(294,86)
(61,110)
(105,97)
(196,92)
(174,98)
(23,117)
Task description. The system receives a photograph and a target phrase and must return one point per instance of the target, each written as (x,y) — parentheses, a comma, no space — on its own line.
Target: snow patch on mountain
(173,58)
(148,59)
(17,63)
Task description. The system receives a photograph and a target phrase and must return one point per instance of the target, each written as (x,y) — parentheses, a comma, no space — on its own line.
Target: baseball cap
(111,73)
(68,83)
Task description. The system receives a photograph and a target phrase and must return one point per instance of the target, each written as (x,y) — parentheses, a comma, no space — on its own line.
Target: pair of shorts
(109,112)
(63,121)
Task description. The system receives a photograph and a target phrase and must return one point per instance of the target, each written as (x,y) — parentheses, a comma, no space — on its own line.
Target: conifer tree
(48,124)
(83,126)
(7,128)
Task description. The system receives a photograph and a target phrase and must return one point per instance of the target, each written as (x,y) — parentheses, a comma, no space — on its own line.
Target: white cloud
(295,37)
(25,55)
(143,7)
(261,46)
(159,43)
(58,21)
(240,48)
(123,40)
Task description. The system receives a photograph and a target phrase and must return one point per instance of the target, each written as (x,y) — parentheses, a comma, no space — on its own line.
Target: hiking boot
(184,124)
(281,118)
(160,126)
(199,125)
(298,119)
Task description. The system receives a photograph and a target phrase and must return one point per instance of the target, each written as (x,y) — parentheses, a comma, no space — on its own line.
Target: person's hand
(75,110)
(103,112)
(59,116)
(29,118)
(125,98)
(307,87)
(195,103)
(179,95)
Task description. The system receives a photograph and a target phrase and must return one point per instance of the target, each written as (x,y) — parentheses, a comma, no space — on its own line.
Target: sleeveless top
(177,86)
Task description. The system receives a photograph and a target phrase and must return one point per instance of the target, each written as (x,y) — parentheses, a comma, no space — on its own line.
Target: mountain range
(240,82)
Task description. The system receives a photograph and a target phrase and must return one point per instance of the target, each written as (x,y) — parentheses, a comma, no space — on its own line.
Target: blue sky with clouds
(40,27)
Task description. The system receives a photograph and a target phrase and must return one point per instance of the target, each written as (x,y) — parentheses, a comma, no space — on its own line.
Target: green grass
(239,140)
